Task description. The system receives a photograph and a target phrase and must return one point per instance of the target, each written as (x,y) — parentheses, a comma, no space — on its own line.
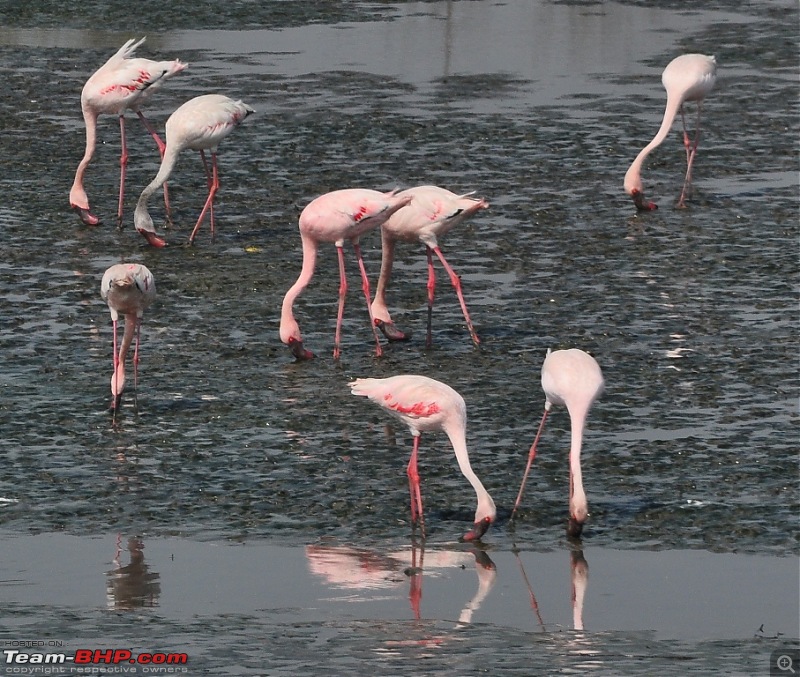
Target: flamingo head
(299,352)
(478,529)
(641,203)
(152,239)
(391,331)
(578,515)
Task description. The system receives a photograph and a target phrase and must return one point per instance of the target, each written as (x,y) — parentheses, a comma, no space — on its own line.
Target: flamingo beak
(574,528)
(300,353)
(642,205)
(478,530)
(152,239)
(391,332)
(86,216)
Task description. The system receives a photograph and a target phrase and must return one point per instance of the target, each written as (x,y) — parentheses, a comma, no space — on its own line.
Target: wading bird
(432,212)
(128,288)
(426,405)
(571,378)
(199,124)
(121,83)
(688,77)
(335,217)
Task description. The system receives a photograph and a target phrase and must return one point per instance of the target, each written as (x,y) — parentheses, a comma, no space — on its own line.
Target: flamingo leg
(161,148)
(136,354)
(691,152)
(415,586)
(342,293)
(431,294)
(213,184)
(456,282)
(413,487)
(114,381)
(123,165)
(531,456)
(365,289)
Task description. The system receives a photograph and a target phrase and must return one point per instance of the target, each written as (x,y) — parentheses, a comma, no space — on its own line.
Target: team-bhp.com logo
(22,662)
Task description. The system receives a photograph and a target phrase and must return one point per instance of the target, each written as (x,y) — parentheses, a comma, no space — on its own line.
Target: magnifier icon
(784,664)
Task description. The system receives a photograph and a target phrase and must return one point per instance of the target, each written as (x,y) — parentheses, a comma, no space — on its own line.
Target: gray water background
(539,107)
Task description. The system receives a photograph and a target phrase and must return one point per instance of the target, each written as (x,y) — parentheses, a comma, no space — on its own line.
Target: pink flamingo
(128,288)
(335,217)
(571,378)
(424,405)
(688,77)
(121,83)
(432,212)
(199,124)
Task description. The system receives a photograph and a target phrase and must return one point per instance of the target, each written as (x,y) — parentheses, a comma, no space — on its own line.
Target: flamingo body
(128,288)
(122,83)
(199,124)
(426,405)
(570,378)
(336,217)
(431,214)
(689,77)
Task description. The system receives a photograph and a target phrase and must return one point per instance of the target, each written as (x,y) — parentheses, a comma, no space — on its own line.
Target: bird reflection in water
(359,569)
(579,575)
(132,586)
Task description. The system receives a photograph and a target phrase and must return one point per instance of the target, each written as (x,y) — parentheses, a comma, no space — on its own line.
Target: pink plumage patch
(360,214)
(416,409)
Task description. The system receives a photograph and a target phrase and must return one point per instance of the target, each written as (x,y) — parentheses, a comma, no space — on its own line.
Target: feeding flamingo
(432,212)
(689,77)
(128,288)
(199,124)
(121,83)
(571,378)
(335,217)
(425,405)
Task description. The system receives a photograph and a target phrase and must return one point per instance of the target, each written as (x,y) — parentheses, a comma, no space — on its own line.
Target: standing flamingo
(335,217)
(688,77)
(121,83)
(128,288)
(199,124)
(571,378)
(432,212)
(424,404)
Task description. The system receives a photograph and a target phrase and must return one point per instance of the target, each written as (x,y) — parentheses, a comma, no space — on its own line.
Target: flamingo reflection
(360,569)
(579,578)
(132,586)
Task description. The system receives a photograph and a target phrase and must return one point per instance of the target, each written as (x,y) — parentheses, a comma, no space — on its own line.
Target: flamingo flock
(425,214)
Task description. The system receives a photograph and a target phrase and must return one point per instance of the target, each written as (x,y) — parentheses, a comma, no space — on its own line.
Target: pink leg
(213,185)
(691,152)
(136,355)
(342,293)
(456,282)
(161,148)
(365,289)
(123,165)
(114,399)
(413,487)
(531,456)
(431,294)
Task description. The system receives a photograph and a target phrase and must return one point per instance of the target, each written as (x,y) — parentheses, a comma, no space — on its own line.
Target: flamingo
(689,77)
(424,405)
(128,288)
(335,217)
(199,124)
(120,83)
(433,211)
(571,378)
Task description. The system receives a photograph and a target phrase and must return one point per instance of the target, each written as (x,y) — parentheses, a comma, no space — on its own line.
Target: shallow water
(538,106)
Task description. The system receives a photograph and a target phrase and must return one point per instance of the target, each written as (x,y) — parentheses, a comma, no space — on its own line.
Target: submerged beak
(642,205)
(86,216)
(391,332)
(298,351)
(152,239)
(478,530)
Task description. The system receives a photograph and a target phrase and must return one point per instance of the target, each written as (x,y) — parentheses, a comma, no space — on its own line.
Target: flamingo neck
(486,506)
(289,327)
(633,181)
(90,120)
(380,311)
(141,216)
(578,506)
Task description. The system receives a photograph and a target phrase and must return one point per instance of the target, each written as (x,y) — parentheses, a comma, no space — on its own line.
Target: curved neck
(577,496)
(288,325)
(379,308)
(486,507)
(634,171)
(90,120)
